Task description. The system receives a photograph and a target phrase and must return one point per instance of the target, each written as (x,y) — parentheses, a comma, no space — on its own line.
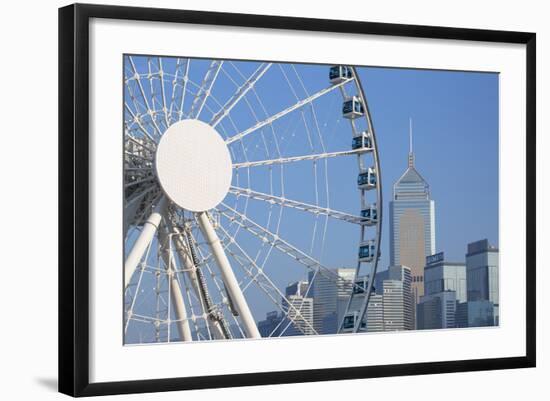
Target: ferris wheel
(227,166)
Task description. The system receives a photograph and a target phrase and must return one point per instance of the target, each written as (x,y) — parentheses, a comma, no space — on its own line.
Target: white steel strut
(284,112)
(150,227)
(184,254)
(205,89)
(176,98)
(277,200)
(228,276)
(239,94)
(176,296)
(262,280)
(282,160)
(144,97)
(280,244)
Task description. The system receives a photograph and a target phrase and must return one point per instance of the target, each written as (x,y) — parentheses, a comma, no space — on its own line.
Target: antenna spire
(411,155)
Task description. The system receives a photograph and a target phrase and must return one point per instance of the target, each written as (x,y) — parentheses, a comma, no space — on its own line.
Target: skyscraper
(403,275)
(271,326)
(437,311)
(375,313)
(474,314)
(330,298)
(397,299)
(482,274)
(441,275)
(412,224)
(300,315)
(391,308)
(299,310)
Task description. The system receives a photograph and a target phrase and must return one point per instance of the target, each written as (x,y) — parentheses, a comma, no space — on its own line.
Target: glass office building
(441,275)
(330,298)
(299,309)
(482,274)
(271,326)
(437,311)
(474,314)
(412,225)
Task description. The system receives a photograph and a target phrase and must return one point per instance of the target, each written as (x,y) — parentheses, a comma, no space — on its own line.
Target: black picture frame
(74,194)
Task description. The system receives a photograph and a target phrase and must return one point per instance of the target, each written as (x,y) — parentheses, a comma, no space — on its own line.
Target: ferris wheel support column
(228,276)
(175,291)
(140,246)
(184,257)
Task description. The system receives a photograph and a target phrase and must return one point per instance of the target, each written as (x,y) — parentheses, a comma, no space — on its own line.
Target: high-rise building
(398,303)
(297,288)
(381,275)
(412,224)
(375,313)
(271,326)
(330,298)
(482,274)
(389,310)
(441,275)
(299,309)
(436,311)
(474,314)
(300,316)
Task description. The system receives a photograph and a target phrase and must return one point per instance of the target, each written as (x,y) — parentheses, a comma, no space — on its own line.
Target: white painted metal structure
(211,152)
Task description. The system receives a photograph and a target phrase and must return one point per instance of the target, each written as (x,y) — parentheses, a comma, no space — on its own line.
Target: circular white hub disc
(193,165)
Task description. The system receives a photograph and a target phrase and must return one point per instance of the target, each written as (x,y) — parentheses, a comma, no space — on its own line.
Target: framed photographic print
(249,199)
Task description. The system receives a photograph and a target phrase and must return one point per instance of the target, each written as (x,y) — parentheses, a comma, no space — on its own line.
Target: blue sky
(455,131)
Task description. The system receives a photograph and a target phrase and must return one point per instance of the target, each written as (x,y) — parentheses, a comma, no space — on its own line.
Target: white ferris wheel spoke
(325,164)
(163,90)
(264,235)
(298,313)
(248,265)
(286,111)
(138,143)
(306,207)
(254,278)
(150,111)
(311,145)
(174,100)
(184,91)
(136,120)
(138,197)
(292,159)
(240,93)
(252,109)
(137,182)
(205,89)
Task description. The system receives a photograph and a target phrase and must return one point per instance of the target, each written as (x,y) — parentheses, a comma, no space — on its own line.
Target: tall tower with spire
(412,223)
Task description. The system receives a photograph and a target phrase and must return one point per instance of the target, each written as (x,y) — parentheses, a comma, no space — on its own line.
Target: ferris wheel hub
(193,165)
